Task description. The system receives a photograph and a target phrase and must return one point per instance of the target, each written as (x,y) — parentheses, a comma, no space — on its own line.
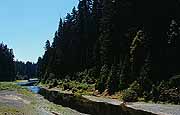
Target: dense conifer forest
(25,70)
(118,45)
(11,70)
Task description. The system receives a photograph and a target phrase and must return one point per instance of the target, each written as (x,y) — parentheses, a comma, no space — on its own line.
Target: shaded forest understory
(118,45)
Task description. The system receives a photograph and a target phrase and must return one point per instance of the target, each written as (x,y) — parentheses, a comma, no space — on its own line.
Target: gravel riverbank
(13,103)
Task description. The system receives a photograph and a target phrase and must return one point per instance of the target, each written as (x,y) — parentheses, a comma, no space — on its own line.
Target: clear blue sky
(25,25)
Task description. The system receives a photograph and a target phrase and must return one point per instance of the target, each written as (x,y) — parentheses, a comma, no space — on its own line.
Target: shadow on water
(86,106)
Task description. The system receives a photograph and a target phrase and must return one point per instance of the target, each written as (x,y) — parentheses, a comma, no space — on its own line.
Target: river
(32,88)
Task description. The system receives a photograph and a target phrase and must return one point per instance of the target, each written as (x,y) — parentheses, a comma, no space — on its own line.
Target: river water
(34,89)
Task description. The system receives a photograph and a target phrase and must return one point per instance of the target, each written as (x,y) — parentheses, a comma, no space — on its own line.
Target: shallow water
(34,89)
(22,83)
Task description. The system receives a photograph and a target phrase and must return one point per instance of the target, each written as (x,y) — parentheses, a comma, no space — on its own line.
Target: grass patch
(74,86)
(9,110)
(8,86)
(21,80)
(11,86)
(77,87)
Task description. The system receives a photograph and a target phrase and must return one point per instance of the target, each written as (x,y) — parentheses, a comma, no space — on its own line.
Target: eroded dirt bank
(93,106)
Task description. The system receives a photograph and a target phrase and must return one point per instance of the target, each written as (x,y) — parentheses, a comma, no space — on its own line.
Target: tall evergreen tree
(118,39)
(7,67)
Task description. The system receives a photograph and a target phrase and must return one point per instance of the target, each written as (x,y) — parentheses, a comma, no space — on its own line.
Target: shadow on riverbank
(87,106)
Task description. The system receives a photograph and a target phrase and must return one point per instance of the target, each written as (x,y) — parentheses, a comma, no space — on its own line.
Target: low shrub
(135,86)
(53,83)
(74,85)
(82,86)
(154,94)
(65,86)
(129,95)
(101,84)
(74,90)
(147,96)
(170,95)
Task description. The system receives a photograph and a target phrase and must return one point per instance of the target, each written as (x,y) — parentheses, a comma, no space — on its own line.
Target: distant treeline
(25,70)
(115,42)
(11,70)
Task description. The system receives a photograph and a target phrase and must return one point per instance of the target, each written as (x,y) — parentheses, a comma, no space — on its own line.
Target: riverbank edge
(82,101)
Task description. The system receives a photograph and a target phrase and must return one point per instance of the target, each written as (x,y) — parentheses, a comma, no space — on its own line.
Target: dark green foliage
(76,87)
(53,83)
(138,53)
(39,68)
(7,67)
(47,46)
(112,43)
(74,90)
(145,78)
(147,96)
(88,76)
(175,81)
(155,93)
(129,96)
(25,70)
(135,86)
(165,93)
(115,44)
(113,80)
(106,37)
(134,91)
(170,95)
(101,84)
(93,75)
(163,86)
(173,62)
(123,85)
(66,86)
